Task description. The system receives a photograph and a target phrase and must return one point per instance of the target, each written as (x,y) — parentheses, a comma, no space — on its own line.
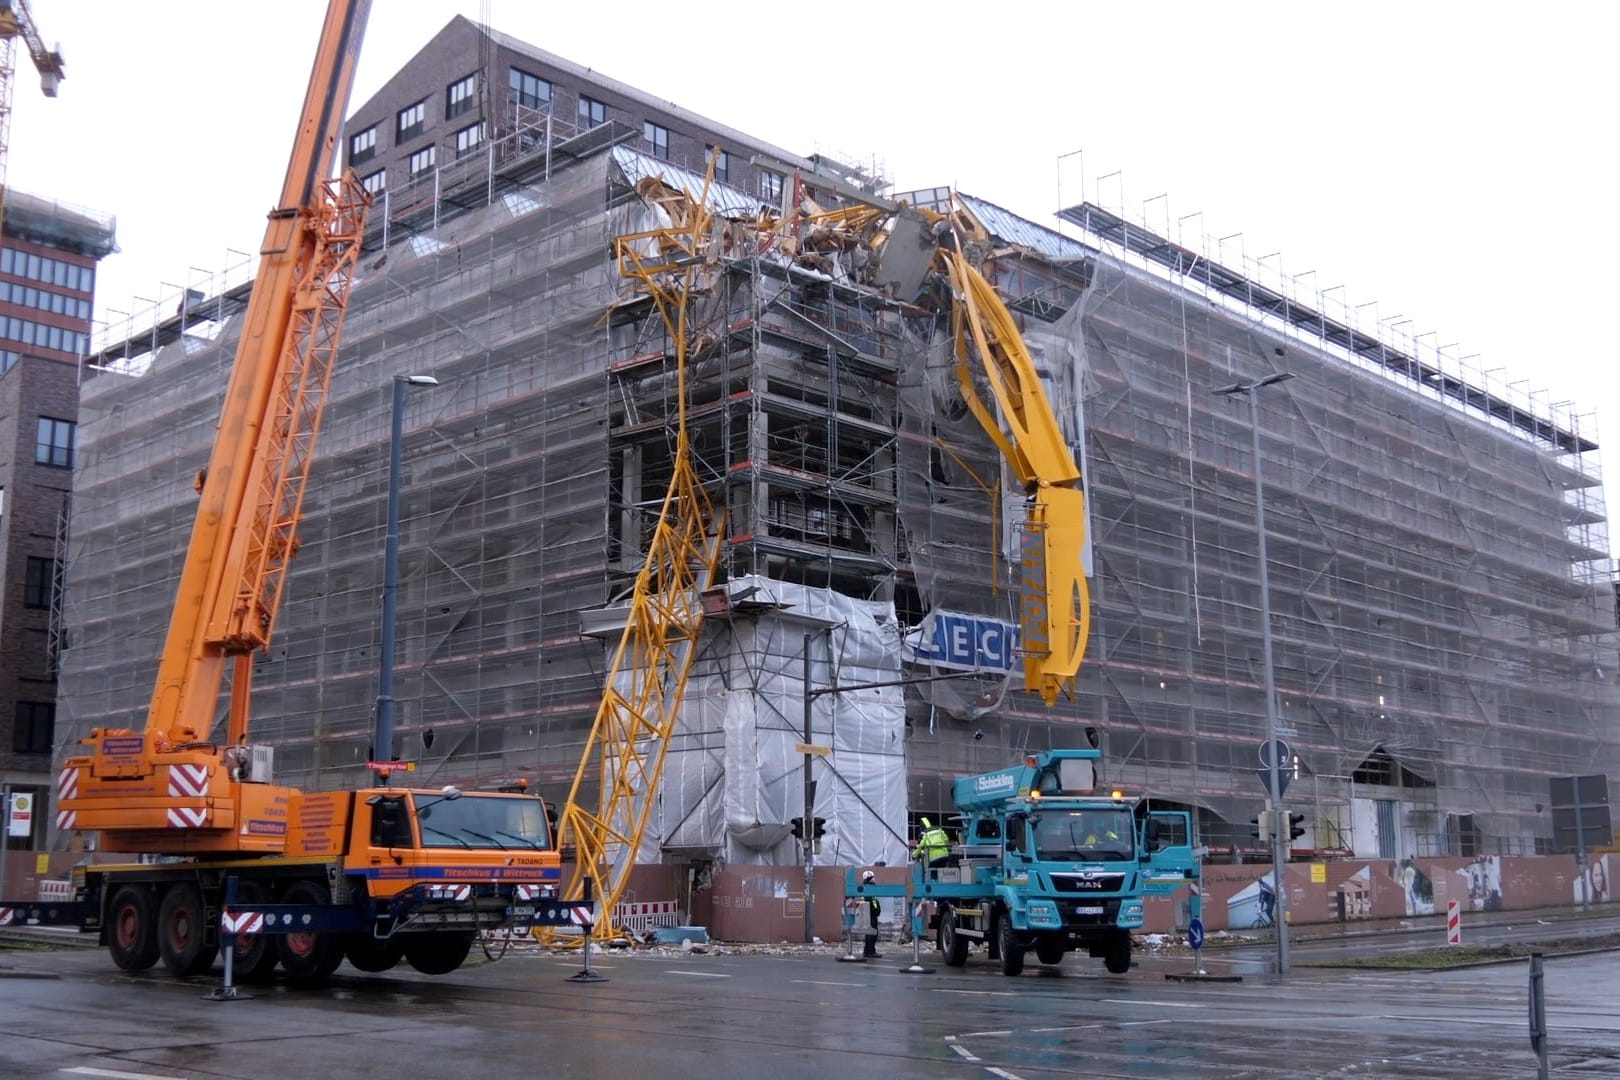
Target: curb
(1457,967)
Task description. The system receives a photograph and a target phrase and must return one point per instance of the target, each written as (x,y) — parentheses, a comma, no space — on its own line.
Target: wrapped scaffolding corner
(733,778)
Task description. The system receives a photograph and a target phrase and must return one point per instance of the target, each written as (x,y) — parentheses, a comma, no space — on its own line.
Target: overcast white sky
(1448,160)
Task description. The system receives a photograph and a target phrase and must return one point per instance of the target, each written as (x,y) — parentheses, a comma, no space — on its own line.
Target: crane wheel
(182,931)
(254,960)
(438,953)
(372,955)
(310,956)
(132,928)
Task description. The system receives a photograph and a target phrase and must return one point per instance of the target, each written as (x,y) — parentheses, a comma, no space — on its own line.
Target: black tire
(1118,957)
(440,953)
(1011,949)
(131,927)
(371,955)
(310,956)
(182,931)
(1049,952)
(254,959)
(952,944)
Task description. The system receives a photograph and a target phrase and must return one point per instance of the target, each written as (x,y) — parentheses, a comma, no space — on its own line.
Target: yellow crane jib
(1055,615)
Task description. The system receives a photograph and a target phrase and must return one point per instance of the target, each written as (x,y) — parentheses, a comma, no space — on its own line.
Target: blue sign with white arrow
(1195,934)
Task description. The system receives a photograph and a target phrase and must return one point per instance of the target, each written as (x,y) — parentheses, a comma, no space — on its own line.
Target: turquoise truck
(1049,862)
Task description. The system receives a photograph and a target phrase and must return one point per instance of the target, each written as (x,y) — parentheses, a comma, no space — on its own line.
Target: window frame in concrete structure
(53,449)
(464,146)
(461,96)
(516,80)
(26,719)
(722,163)
(655,139)
(590,112)
(415,166)
(39,582)
(410,121)
(381,182)
(363,146)
(771,184)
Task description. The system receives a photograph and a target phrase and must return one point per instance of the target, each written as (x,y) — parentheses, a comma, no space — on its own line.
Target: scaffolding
(1444,622)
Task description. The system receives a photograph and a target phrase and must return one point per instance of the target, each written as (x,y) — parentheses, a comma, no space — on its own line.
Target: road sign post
(1538,1015)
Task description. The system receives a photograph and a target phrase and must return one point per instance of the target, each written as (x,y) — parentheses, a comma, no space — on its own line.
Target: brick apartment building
(47,289)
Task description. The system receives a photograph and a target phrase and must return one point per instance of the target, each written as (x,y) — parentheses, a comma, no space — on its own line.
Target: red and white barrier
(1453,923)
(638,918)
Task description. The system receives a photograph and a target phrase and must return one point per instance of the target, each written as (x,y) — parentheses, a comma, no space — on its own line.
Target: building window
(54,443)
(722,165)
(529,91)
(655,140)
(467,140)
(375,182)
(411,121)
(461,96)
(422,161)
(42,336)
(592,113)
(363,147)
(39,588)
(770,186)
(34,727)
(51,271)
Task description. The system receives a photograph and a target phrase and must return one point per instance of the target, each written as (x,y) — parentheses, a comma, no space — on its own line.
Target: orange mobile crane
(375,875)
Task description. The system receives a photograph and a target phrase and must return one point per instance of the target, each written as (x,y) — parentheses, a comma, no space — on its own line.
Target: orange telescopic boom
(172,789)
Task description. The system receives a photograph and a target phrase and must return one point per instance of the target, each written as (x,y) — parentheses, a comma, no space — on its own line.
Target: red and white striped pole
(1453,923)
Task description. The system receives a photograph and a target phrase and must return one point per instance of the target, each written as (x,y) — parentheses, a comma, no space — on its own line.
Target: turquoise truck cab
(1051,863)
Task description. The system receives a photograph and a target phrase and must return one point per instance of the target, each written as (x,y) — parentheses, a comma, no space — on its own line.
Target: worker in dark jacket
(872,907)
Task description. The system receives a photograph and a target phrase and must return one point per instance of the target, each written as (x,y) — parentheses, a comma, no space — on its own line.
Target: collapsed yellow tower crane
(646,682)
(17,21)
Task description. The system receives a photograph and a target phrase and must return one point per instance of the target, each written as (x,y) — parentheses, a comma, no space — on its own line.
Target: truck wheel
(952,944)
(254,960)
(183,931)
(1049,952)
(1118,957)
(1012,950)
(132,928)
(440,953)
(312,955)
(369,954)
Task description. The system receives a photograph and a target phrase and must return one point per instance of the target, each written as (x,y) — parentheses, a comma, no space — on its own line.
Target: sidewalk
(1417,924)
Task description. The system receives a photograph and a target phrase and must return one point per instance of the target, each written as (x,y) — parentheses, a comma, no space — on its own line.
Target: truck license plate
(1088,909)
(523,911)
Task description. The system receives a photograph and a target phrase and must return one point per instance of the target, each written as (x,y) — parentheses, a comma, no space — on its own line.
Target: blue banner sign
(953,639)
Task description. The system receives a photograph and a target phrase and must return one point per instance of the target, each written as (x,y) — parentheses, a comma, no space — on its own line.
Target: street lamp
(384,743)
(1279,860)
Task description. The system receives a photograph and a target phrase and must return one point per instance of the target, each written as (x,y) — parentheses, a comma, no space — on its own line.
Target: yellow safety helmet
(927,824)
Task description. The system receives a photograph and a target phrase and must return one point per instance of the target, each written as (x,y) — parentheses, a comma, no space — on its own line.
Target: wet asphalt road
(68,1014)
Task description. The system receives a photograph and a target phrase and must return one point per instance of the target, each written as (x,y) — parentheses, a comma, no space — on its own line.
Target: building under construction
(1442,608)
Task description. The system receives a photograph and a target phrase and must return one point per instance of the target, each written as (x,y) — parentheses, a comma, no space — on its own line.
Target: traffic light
(1260,827)
(820,827)
(1296,826)
(798,828)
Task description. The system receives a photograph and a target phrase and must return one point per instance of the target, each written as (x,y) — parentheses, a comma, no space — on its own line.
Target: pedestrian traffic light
(1296,826)
(820,825)
(798,828)
(1260,827)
